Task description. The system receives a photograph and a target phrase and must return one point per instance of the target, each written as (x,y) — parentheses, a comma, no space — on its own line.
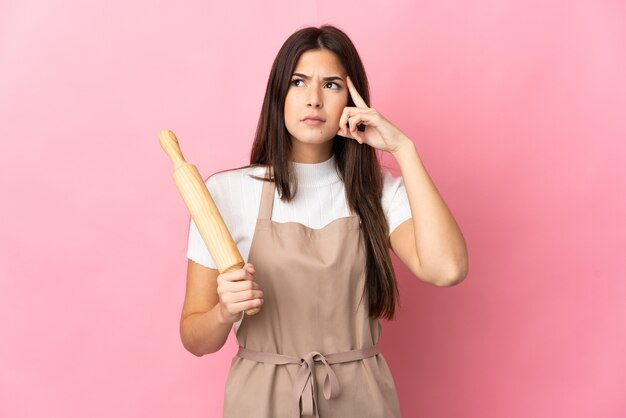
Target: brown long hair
(358,165)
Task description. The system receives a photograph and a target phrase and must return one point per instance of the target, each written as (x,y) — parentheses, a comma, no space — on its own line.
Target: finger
(245,305)
(359,122)
(353,122)
(239,286)
(343,120)
(356,97)
(344,127)
(243,296)
(341,132)
(249,268)
(237,275)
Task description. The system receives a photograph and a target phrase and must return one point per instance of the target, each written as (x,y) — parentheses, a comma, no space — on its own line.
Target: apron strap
(267,200)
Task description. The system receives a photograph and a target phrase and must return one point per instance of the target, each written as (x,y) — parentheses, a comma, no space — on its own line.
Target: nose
(314,98)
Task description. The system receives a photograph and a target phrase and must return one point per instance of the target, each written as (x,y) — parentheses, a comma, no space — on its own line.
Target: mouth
(313,120)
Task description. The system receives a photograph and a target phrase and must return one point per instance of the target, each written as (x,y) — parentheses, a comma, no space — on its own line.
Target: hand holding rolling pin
(234,282)
(238,291)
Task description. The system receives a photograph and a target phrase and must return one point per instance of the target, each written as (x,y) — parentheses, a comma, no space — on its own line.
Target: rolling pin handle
(169,143)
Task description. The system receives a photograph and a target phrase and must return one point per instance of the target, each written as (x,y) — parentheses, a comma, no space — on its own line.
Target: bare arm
(213,303)
(430,244)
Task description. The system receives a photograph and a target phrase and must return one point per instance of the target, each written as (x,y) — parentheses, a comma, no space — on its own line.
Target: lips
(313,119)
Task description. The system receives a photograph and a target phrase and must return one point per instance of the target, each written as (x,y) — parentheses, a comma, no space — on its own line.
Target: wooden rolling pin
(203,211)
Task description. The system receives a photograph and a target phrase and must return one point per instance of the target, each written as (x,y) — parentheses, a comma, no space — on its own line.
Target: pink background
(516,107)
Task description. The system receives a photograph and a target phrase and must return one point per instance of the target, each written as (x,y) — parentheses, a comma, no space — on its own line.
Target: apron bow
(305,387)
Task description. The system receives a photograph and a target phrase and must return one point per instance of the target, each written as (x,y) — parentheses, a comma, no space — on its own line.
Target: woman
(315,217)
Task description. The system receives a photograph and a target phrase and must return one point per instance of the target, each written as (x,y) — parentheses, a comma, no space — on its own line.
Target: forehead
(320,62)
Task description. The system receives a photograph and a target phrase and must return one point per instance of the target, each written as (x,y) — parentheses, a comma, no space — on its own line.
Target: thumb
(249,267)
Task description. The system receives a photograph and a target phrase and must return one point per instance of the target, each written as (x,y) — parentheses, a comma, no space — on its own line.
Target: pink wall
(516,107)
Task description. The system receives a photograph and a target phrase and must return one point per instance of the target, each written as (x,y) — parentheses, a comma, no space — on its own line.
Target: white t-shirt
(319,200)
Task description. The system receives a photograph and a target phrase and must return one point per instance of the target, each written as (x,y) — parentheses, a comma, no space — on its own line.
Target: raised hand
(378,133)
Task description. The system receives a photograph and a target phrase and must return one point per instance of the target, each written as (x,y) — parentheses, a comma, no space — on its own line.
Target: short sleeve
(197,250)
(395,201)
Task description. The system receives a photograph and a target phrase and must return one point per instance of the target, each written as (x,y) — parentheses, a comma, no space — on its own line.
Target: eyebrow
(306,77)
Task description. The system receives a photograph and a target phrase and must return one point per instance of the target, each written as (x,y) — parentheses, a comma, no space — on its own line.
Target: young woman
(315,217)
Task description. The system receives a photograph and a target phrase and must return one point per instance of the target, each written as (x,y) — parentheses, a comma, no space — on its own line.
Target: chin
(316,142)
(316,138)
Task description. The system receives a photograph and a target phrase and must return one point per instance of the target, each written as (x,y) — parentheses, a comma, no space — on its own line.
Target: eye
(295,81)
(332,82)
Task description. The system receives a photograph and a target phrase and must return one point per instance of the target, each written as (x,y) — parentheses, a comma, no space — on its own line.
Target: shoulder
(237,194)
(228,179)
(394,193)
(395,201)
(236,190)
(391,183)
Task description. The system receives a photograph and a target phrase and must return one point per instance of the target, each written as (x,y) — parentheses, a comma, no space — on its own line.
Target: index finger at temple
(356,97)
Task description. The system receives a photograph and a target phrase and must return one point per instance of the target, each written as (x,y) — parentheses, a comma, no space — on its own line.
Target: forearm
(204,333)
(440,246)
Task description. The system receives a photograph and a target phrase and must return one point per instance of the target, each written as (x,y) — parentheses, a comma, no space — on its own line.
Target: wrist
(405,146)
(222,318)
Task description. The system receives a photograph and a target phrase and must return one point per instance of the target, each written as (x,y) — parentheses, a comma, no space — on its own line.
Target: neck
(317,174)
(311,153)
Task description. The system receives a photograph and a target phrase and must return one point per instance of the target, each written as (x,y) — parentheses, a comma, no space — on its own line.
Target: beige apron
(312,349)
